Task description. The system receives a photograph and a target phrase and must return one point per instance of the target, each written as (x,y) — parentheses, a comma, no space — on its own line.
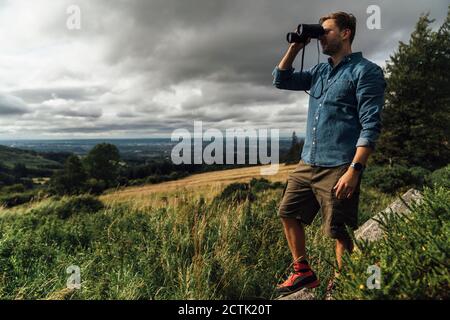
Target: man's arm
(370,96)
(284,76)
(362,155)
(289,57)
(347,183)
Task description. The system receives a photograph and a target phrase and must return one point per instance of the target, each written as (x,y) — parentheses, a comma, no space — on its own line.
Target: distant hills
(9,157)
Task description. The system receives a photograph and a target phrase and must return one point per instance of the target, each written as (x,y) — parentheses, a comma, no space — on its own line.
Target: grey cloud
(38,95)
(240,40)
(227,48)
(11,105)
(237,94)
(80,113)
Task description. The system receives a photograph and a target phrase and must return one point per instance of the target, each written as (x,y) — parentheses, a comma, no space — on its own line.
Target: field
(206,185)
(173,240)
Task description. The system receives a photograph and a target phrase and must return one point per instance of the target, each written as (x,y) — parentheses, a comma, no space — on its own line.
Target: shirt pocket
(340,89)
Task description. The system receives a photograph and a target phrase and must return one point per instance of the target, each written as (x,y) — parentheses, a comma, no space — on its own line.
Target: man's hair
(343,21)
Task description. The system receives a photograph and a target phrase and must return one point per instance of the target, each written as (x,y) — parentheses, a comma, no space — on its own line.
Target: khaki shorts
(309,189)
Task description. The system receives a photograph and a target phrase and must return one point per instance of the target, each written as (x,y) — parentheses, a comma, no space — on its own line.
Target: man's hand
(289,57)
(297,46)
(346,185)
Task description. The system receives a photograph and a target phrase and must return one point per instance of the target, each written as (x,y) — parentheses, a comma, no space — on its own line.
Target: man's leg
(342,245)
(303,276)
(298,207)
(295,236)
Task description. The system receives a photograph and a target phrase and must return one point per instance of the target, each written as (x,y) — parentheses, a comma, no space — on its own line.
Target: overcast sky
(146,68)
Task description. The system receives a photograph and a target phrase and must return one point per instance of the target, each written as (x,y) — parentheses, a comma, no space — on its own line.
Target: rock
(305,294)
(371,230)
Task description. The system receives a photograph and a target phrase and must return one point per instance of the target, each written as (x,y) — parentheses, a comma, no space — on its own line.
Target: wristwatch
(357,166)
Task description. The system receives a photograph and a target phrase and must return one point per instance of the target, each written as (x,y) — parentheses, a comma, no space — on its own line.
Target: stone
(305,294)
(371,229)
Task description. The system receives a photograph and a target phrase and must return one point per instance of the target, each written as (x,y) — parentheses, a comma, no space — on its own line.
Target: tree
(293,155)
(72,179)
(416,114)
(20,170)
(102,163)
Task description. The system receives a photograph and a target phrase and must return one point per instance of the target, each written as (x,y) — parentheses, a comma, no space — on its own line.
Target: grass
(162,243)
(12,156)
(413,258)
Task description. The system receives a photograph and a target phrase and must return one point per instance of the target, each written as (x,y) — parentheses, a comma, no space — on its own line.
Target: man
(342,128)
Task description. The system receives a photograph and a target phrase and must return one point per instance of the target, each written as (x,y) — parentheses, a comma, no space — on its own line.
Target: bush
(393,179)
(78,204)
(439,178)
(258,185)
(95,186)
(413,257)
(15,188)
(14,199)
(242,191)
(236,192)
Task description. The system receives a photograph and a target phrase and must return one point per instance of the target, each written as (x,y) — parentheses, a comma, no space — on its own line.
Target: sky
(142,69)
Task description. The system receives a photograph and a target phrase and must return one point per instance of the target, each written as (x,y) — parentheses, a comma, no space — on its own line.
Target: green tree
(72,179)
(416,114)
(293,155)
(102,163)
(20,170)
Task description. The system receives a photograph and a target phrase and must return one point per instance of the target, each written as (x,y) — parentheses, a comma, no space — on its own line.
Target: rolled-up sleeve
(290,80)
(370,97)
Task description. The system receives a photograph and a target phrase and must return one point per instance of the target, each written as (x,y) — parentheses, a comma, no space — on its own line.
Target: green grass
(194,250)
(12,156)
(414,257)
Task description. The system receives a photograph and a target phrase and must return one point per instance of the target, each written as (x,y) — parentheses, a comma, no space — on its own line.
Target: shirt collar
(355,56)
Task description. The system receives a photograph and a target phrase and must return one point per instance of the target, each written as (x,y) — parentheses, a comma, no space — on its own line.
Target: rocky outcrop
(371,230)
(305,294)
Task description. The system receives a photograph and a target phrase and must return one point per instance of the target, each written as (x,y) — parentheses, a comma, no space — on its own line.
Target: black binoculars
(305,31)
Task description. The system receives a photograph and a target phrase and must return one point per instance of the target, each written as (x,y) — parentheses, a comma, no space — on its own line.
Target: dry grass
(206,185)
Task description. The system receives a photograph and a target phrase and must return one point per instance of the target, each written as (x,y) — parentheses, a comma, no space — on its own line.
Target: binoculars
(305,31)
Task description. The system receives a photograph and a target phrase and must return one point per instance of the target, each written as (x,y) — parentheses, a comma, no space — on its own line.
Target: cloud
(140,68)
(38,95)
(11,105)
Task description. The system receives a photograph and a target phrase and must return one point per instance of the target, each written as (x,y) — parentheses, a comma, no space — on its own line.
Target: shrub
(77,205)
(258,185)
(14,199)
(389,179)
(236,192)
(15,188)
(439,178)
(413,256)
(95,186)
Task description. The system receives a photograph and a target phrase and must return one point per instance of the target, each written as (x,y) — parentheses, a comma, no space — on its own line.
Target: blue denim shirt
(347,114)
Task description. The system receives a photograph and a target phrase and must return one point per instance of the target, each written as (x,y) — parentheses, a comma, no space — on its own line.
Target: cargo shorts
(310,189)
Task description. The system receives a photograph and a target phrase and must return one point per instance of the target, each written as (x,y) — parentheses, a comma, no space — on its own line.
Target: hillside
(9,157)
(174,240)
(206,185)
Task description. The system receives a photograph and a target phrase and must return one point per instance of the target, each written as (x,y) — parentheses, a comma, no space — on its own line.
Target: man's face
(332,40)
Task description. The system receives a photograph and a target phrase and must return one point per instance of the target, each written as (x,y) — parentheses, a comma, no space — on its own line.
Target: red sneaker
(302,277)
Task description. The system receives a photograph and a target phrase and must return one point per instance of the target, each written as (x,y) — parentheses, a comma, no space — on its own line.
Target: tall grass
(190,249)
